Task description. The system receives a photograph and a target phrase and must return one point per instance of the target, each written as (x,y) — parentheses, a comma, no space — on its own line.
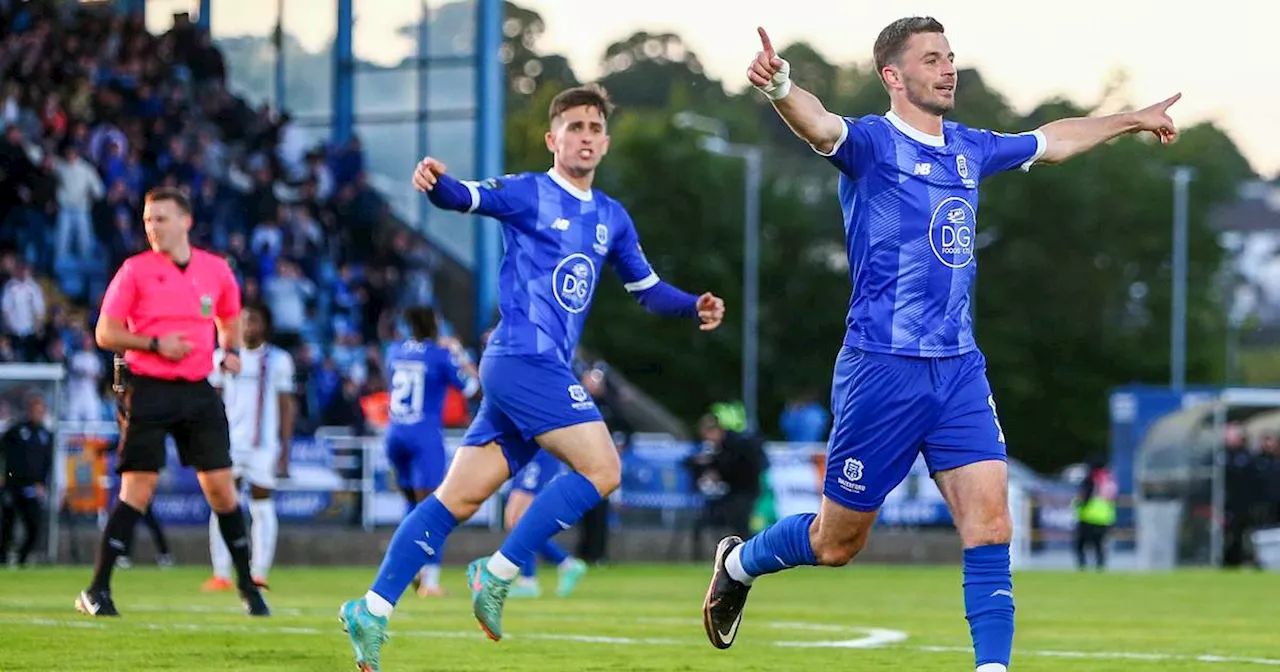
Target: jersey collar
(914,133)
(577,193)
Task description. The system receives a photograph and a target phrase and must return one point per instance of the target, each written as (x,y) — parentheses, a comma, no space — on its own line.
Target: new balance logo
(563,525)
(116,544)
(1006,593)
(561,224)
(923,168)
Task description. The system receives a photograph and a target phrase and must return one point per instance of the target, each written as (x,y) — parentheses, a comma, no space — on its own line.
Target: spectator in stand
(79,186)
(287,295)
(23,306)
(84,383)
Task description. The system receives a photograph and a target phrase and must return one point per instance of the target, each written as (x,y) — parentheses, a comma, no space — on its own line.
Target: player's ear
(604,145)
(551,142)
(889,74)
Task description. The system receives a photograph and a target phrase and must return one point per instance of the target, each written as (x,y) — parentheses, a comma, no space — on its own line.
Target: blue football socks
(418,541)
(988,603)
(564,501)
(553,553)
(783,545)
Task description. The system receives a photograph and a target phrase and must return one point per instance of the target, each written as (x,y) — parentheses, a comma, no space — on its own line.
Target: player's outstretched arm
(1066,138)
(448,193)
(444,191)
(803,112)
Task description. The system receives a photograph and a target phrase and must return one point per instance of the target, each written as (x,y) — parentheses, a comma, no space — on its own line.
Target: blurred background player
(558,232)
(164,557)
(420,370)
(909,377)
(1095,512)
(26,460)
(728,473)
(541,470)
(260,411)
(593,529)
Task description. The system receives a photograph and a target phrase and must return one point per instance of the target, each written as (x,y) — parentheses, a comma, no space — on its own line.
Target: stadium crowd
(95,111)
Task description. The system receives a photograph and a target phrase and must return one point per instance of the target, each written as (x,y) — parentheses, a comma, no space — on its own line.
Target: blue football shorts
(541,470)
(526,396)
(887,409)
(417,456)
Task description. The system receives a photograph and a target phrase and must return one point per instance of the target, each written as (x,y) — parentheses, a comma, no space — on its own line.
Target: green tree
(1072,296)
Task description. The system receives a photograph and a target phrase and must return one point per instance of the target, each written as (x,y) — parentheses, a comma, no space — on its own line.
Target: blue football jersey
(910,203)
(557,239)
(419,373)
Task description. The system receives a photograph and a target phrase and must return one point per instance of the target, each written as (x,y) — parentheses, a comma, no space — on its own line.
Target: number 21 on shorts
(995,416)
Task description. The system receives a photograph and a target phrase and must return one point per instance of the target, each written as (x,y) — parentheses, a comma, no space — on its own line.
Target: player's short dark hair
(422,322)
(171,194)
(589,95)
(264,312)
(893,39)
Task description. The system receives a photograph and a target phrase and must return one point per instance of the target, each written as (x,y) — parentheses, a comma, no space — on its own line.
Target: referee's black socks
(236,534)
(117,538)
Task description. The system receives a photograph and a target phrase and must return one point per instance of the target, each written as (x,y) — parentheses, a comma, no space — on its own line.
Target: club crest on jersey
(602,239)
(952,232)
(962,165)
(206,305)
(573,281)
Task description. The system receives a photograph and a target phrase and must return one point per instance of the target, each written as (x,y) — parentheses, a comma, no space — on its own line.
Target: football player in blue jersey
(558,233)
(419,371)
(909,378)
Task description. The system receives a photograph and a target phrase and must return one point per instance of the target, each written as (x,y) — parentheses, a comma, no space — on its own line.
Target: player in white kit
(260,412)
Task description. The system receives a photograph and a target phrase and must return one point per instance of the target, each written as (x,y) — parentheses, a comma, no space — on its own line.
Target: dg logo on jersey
(573,282)
(952,232)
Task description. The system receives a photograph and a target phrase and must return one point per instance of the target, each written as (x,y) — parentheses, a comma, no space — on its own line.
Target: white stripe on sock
(992,667)
(378,605)
(733,564)
(501,567)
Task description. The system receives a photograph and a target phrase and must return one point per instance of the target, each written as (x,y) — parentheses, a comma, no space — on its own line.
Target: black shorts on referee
(190,411)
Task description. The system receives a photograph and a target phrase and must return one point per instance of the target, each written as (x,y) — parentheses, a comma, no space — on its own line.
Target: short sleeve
(627,257)
(229,296)
(282,373)
(1002,151)
(122,293)
(854,151)
(503,197)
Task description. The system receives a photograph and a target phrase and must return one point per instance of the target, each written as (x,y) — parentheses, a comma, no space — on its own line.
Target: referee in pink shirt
(160,310)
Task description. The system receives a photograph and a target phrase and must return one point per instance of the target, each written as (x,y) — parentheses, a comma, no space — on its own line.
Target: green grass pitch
(648,617)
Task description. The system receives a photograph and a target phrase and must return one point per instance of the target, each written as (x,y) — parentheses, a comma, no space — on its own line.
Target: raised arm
(490,197)
(802,110)
(1066,138)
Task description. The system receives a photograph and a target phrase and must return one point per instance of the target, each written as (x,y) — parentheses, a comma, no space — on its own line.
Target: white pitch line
(872,638)
(1110,655)
(885,634)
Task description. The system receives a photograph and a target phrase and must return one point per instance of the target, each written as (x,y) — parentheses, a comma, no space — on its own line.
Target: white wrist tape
(780,85)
